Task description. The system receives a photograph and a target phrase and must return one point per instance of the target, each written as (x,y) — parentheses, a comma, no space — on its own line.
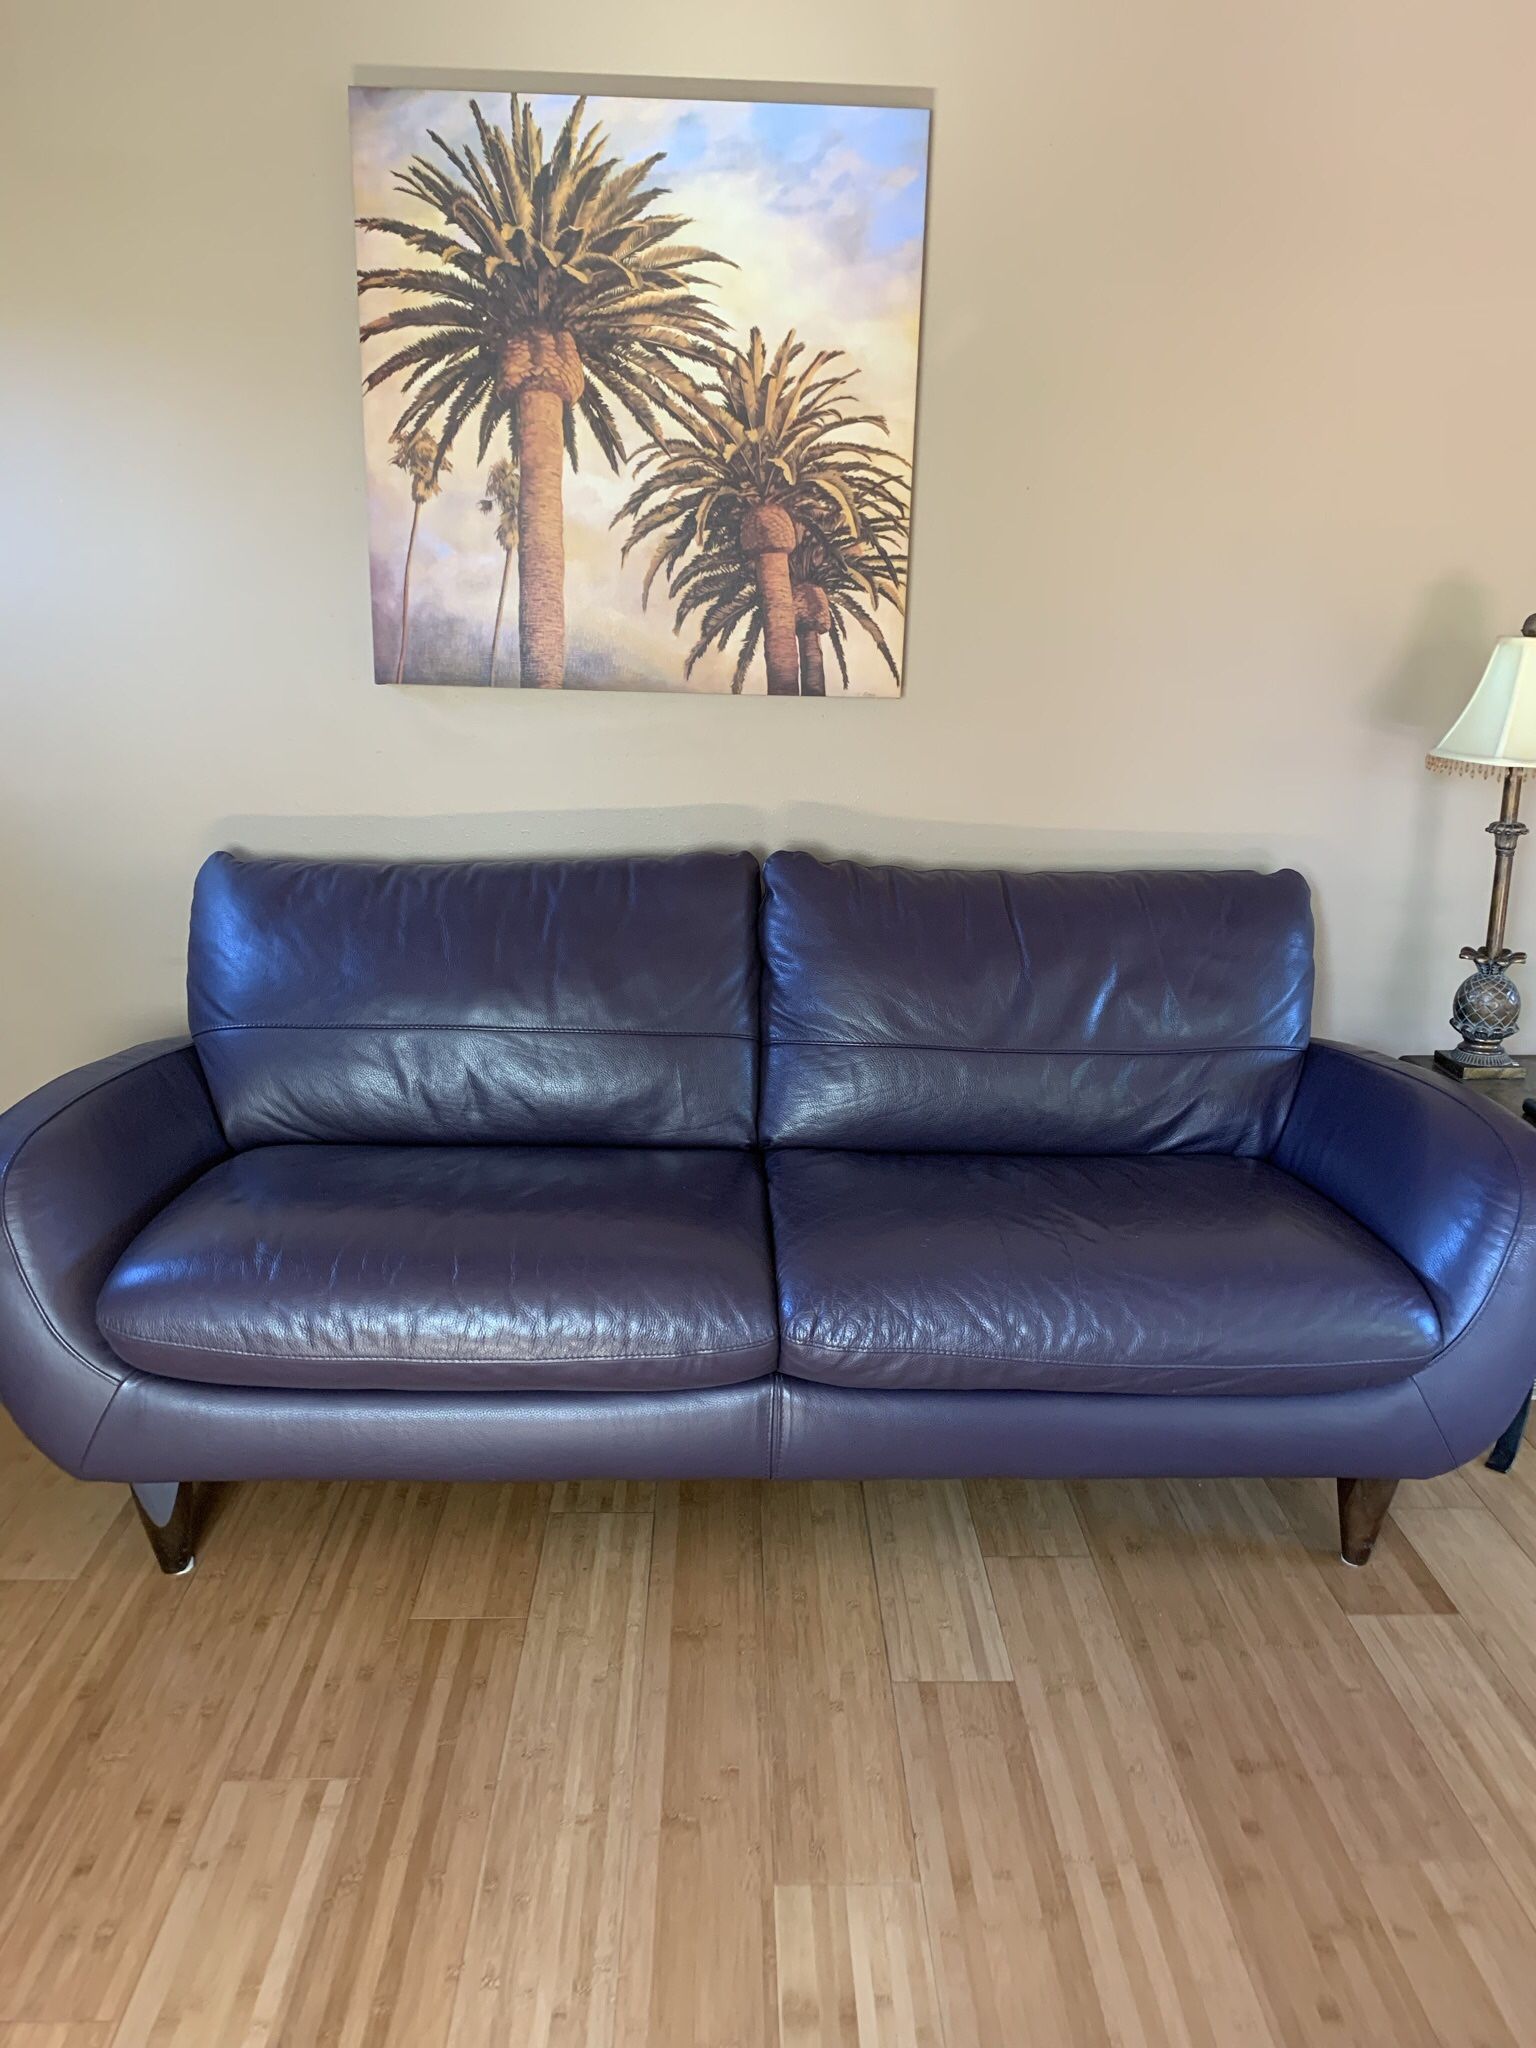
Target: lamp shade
(1497,730)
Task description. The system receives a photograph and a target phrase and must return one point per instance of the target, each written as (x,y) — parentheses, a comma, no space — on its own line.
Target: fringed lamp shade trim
(1443,764)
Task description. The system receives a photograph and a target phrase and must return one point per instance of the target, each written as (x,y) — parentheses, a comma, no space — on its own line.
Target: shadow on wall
(832,830)
(1424,687)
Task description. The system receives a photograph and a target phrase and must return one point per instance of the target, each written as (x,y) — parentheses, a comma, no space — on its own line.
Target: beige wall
(1225,473)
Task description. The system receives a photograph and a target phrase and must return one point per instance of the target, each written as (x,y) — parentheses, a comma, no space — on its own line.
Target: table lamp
(1495,735)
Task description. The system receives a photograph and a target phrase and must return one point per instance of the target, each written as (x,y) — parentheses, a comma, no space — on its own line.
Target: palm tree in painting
(501,498)
(771,468)
(423,462)
(813,617)
(554,287)
(838,582)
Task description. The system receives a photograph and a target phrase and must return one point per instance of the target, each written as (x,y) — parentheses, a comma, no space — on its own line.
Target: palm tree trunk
(405,592)
(506,575)
(541,537)
(813,674)
(781,643)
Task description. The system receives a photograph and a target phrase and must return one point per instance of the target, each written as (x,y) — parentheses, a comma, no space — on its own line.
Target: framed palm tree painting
(640,382)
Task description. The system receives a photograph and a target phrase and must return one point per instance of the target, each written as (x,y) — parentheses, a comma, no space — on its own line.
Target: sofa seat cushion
(455,1268)
(1163,1274)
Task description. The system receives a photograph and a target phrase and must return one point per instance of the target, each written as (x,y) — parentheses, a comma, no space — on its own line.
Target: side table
(1509,1093)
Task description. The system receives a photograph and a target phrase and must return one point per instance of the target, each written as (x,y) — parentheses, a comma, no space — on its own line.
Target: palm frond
(779,428)
(562,239)
(744,659)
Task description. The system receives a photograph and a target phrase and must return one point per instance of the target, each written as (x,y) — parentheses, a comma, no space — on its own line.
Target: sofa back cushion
(541,1002)
(979,1011)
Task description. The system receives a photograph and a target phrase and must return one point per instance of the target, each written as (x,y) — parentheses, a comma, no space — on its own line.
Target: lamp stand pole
(1486,1009)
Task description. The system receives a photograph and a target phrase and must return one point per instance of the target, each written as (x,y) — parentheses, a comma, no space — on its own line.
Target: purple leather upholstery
(973,1011)
(1450,1183)
(160,1429)
(85,1162)
(500,1120)
(1146,1275)
(847,1432)
(435,1269)
(534,1002)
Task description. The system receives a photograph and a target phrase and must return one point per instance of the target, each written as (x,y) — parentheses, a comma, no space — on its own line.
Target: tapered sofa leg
(1363,1505)
(172,1516)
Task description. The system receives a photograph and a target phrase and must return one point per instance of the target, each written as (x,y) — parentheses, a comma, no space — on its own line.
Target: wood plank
(853,1968)
(319,1701)
(27,1611)
(1494,1931)
(51,1707)
(1259,1597)
(1510,1497)
(1387,1798)
(1492,1580)
(1448,1490)
(540,1963)
(485,1554)
(1164,1953)
(1464,1945)
(1173,1581)
(223,1964)
(54,2034)
(838,1797)
(1480,1732)
(1009,1956)
(50,1524)
(381,1963)
(603,1497)
(1398,1580)
(1025,1518)
(130,1721)
(649,1820)
(937,1605)
(1245,1551)
(1326,1971)
(704,1818)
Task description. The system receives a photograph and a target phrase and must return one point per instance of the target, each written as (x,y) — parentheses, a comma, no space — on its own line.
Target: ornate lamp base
(1486,1011)
(1466,1063)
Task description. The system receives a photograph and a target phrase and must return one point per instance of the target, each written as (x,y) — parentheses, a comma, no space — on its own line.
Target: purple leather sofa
(687,1167)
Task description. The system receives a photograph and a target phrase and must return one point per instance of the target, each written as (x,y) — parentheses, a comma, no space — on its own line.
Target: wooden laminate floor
(768,1766)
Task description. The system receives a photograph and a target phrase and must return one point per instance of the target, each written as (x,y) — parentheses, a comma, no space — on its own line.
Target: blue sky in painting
(800,142)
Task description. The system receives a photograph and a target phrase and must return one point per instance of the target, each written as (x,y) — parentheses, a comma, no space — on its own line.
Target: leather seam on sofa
(776,1424)
(1108,1364)
(779,1043)
(100,1424)
(515,1030)
(112,1379)
(1433,1417)
(110,1330)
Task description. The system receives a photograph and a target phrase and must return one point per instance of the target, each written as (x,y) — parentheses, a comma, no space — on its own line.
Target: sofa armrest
(85,1162)
(1449,1183)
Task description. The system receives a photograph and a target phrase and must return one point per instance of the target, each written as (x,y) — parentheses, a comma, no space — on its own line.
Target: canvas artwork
(639,386)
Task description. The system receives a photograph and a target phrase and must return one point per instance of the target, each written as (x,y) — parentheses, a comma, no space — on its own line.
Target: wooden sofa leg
(172,1514)
(1363,1505)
